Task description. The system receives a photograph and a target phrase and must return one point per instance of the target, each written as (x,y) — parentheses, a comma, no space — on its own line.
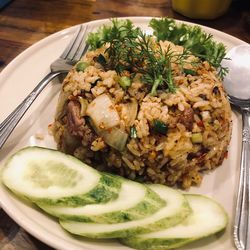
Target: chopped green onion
(125,82)
(196,138)
(189,72)
(160,127)
(133,132)
(81,66)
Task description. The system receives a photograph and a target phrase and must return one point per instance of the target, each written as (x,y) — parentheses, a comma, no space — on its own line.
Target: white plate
(20,77)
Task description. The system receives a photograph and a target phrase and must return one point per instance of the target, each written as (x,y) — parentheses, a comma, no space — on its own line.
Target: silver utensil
(74,51)
(237,85)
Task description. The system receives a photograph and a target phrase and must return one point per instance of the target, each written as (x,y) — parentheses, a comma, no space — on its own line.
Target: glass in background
(201,9)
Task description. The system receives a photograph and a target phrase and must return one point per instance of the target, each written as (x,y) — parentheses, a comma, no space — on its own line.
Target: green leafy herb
(128,48)
(132,50)
(196,138)
(160,127)
(106,33)
(96,39)
(189,72)
(193,38)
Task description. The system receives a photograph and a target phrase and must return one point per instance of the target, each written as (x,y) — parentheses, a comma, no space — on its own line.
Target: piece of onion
(60,108)
(103,113)
(131,110)
(114,137)
(84,105)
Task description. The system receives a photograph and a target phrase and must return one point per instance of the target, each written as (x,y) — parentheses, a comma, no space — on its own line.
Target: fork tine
(72,43)
(76,45)
(83,47)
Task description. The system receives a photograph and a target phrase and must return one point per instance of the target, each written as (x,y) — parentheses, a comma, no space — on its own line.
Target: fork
(73,52)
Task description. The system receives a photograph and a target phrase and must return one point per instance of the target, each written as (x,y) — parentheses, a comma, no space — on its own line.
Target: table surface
(24,22)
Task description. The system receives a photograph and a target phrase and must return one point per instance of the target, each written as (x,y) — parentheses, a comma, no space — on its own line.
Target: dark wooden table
(24,22)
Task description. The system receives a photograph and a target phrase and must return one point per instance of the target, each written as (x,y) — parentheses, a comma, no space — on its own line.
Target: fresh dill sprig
(129,48)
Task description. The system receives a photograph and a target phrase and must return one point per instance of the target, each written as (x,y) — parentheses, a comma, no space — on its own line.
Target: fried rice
(196,121)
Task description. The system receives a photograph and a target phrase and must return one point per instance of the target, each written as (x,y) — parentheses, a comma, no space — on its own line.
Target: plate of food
(137,148)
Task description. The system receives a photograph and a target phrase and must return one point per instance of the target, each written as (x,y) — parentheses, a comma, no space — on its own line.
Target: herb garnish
(130,49)
(194,39)
(189,72)
(160,127)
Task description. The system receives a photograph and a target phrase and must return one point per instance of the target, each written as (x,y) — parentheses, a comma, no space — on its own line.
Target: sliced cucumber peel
(135,201)
(102,205)
(50,177)
(207,218)
(175,210)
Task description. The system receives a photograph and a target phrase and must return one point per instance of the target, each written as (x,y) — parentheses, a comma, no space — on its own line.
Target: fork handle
(7,126)
(242,220)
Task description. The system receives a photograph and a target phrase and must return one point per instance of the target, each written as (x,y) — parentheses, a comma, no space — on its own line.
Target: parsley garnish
(194,39)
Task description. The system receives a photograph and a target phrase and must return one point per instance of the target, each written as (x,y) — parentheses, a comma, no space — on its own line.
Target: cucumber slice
(175,210)
(208,218)
(51,177)
(135,201)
